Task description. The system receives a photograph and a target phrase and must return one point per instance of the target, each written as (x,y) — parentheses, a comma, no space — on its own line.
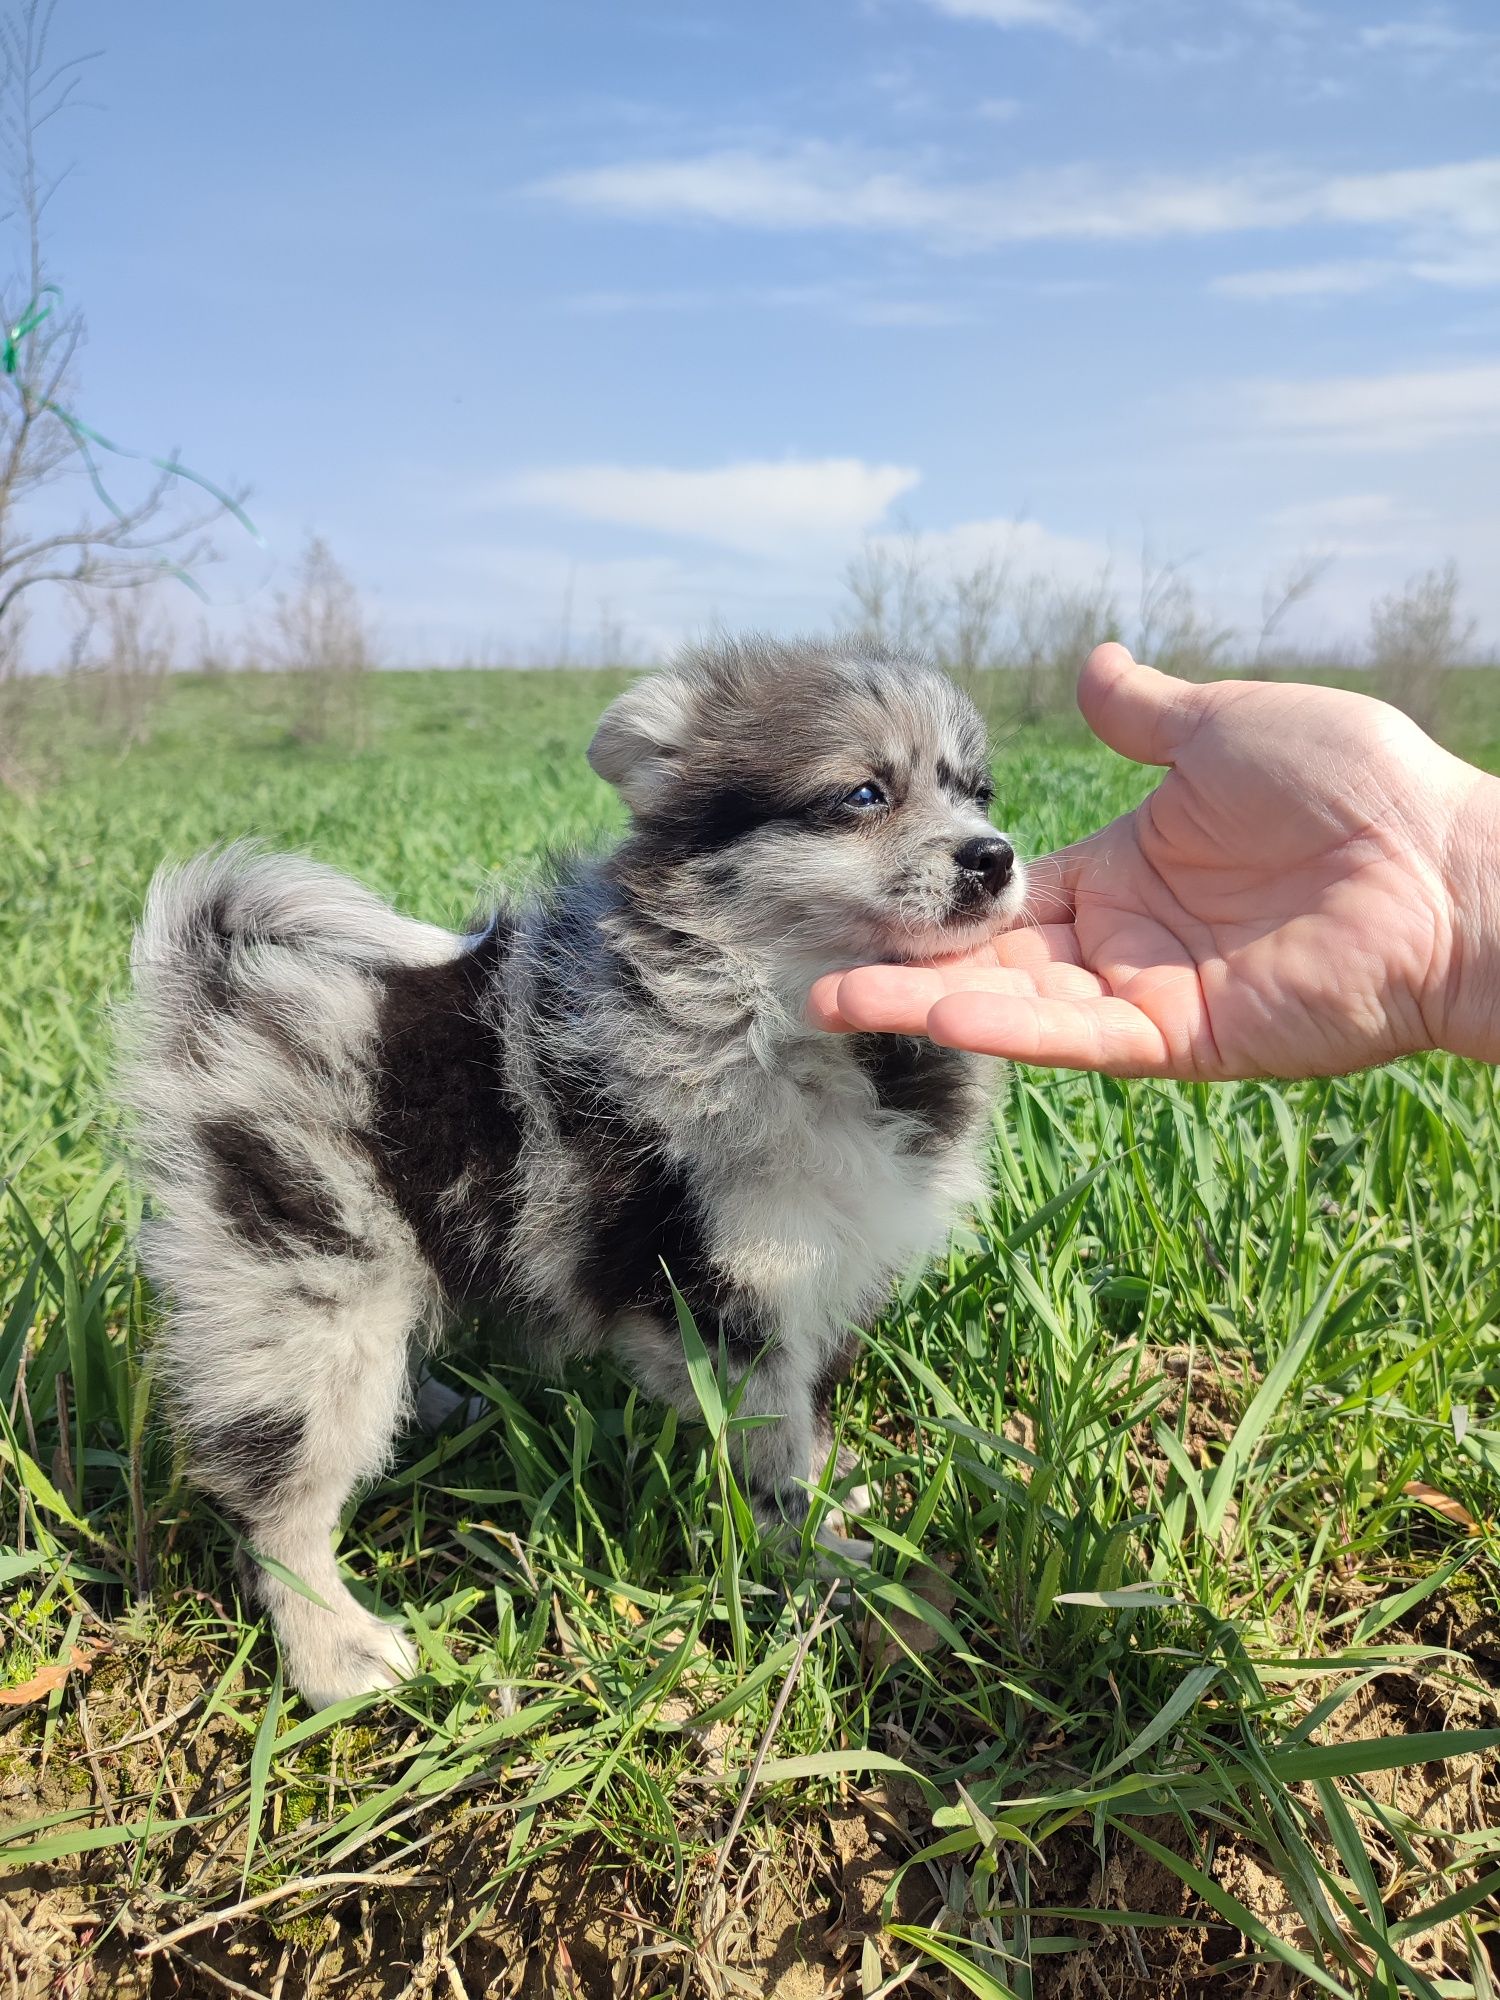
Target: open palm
(1278,905)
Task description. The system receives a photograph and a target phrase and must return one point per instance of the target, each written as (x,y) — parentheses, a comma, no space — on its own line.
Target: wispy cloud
(1024,548)
(759,506)
(1461,268)
(1344,279)
(1379,412)
(1340,514)
(1057,16)
(1433,45)
(831,188)
(1420,37)
(852,303)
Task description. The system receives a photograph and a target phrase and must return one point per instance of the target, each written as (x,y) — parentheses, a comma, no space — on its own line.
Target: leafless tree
(1418,635)
(60,523)
(320,634)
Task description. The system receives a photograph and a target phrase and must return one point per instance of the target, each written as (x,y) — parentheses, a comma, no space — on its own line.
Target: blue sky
(650,313)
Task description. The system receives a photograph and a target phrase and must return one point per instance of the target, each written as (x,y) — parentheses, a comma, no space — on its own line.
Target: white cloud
(1469,267)
(1395,412)
(1344,279)
(853,303)
(1024,547)
(1057,15)
(759,506)
(906,312)
(1434,38)
(1341,513)
(1000,110)
(818,186)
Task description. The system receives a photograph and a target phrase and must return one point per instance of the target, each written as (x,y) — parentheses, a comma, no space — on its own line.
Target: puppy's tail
(228,906)
(255,986)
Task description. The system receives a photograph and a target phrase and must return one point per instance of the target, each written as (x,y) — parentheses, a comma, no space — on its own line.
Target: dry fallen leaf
(909,1632)
(45,1679)
(1441,1503)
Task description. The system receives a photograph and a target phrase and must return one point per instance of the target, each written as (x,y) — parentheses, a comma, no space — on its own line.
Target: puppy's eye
(866,795)
(984,797)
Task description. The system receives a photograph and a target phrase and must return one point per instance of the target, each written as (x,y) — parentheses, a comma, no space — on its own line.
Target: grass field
(1178,1668)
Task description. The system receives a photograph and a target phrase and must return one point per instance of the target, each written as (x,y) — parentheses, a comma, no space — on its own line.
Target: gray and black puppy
(353,1123)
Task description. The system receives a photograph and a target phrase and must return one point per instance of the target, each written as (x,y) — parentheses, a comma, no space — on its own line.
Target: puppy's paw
(856,1499)
(835,1552)
(357,1655)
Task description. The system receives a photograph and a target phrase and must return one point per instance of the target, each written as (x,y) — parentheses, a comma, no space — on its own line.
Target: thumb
(1143,714)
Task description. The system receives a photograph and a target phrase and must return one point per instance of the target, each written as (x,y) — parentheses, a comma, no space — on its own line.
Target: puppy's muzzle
(985,866)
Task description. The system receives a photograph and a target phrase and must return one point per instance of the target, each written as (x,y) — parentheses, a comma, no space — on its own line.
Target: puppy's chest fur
(568,1115)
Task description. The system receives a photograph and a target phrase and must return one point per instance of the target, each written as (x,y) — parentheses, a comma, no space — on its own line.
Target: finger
(1104,1034)
(1033,945)
(899,999)
(890,999)
(1145,715)
(823,1005)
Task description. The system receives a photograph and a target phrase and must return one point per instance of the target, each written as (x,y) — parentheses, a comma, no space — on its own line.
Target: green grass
(1160,1661)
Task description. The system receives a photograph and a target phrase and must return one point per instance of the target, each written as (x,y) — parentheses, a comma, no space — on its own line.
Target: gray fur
(352,1122)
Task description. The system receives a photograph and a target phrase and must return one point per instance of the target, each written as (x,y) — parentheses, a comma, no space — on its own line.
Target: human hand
(1313,887)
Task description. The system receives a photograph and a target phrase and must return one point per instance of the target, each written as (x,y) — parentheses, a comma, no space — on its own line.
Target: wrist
(1467,1018)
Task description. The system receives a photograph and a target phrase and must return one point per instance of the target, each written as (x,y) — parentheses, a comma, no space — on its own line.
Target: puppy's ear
(641,738)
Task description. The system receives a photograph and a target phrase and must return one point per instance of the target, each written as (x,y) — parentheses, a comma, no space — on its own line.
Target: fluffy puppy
(352,1123)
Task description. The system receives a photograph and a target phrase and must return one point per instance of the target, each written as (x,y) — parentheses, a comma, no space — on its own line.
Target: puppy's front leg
(777,1449)
(783,1394)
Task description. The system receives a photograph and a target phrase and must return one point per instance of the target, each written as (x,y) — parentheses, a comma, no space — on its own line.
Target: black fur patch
(309,1298)
(701,820)
(247,1462)
(636,1211)
(833,1371)
(973,783)
(926,1083)
(220,991)
(268,1200)
(442,1115)
(643,1227)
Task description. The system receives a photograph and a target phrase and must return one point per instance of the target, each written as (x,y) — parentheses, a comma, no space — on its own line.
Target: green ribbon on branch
(84,436)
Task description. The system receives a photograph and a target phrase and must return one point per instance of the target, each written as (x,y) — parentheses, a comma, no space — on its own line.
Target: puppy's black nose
(990,857)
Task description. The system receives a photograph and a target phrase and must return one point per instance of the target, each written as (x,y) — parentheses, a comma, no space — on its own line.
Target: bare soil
(795,1921)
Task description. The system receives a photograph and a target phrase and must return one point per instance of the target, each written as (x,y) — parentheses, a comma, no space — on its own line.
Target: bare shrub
(1280,595)
(992,616)
(119,665)
(613,645)
(1418,635)
(1172,630)
(21,694)
(977,599)
(213,656)
(320,635)
(1058,625)
(894,593)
